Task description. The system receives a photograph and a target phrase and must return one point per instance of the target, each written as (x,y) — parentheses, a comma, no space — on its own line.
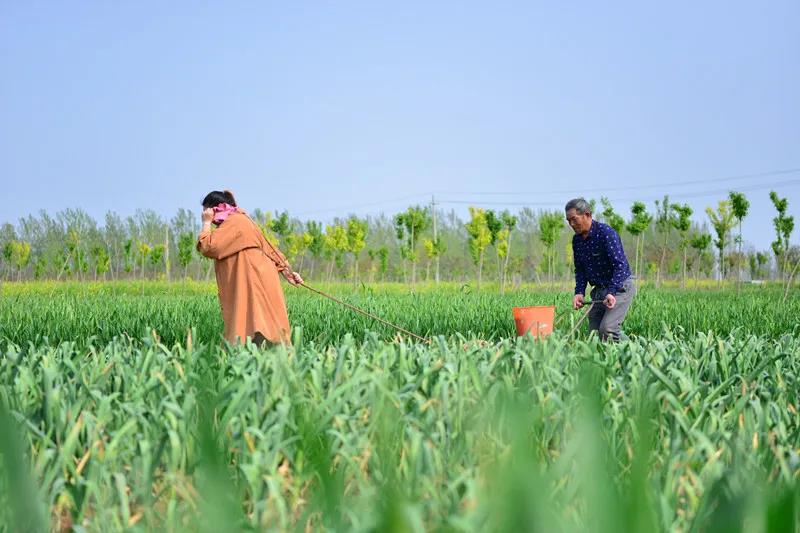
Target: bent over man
(600,261)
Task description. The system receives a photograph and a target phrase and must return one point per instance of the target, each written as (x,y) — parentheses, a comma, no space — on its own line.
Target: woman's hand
(208,215)
(292,277)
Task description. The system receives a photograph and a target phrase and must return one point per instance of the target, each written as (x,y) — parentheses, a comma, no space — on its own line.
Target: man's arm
(580,273)
(616,255)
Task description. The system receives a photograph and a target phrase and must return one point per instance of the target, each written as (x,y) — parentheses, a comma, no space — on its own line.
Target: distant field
(30,312)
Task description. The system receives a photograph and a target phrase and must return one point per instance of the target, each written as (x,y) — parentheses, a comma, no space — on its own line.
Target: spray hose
(423,339)
(370,315)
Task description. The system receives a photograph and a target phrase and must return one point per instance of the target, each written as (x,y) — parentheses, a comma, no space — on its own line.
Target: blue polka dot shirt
(599,259)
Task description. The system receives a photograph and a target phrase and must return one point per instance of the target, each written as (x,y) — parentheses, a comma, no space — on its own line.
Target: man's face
(579,223)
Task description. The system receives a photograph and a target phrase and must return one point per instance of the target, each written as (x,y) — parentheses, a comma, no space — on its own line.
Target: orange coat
(247,268)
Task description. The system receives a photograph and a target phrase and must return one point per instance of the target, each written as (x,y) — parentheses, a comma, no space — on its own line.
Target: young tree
(611,217)
(664,223)
(336,245)
(740,206)
(383,261)
(296,245)
(509,222)
(722,221)
(8,250)
(266,223)
(76,254)
(281,226)
(784,226)
(101,260)
(640,221)
(128,251)
(114,235)
(186,245)
(700,242)
(317,245)
(356,241)
(550,226)
(409,226)
(434,248)
(144,250)
(682,222)
(18,254)
(757,260)
(157,257)
(480,236)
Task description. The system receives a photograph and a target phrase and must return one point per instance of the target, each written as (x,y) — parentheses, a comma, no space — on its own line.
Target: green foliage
(722,221)
(186,245)
(409,226)
(640,219)
(336,242)
(784,225)
(682,221)
(611,217)
(550,226)
(740,205)
(101,260)
(281,225)
(480,237)
(683,432)
(18,254)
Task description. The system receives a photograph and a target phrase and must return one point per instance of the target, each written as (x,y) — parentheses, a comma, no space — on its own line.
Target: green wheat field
(126,412)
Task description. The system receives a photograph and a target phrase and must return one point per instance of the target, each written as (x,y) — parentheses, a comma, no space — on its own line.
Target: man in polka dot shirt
(600,260)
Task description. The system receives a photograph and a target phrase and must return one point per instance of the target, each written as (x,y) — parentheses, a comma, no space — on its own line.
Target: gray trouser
(607,321)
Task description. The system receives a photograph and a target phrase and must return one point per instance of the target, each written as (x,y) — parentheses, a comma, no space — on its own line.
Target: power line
(746,188)
(631,188)
(540,203)
(700,194)
(363,206)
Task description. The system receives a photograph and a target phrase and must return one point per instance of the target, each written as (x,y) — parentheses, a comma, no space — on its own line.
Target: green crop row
(682,433)
(52,312)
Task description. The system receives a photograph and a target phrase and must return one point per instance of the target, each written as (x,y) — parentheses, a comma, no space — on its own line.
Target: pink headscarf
(223,211)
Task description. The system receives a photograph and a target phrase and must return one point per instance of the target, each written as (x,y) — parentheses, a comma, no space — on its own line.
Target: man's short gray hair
(580,206)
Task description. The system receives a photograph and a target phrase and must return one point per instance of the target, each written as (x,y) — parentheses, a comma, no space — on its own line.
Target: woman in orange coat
(247,267)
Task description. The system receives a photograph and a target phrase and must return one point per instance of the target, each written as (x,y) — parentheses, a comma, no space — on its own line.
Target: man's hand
(577,301)
(610,301)
(292,277)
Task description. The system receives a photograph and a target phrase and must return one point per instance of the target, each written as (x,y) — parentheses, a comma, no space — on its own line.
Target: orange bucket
(536,320)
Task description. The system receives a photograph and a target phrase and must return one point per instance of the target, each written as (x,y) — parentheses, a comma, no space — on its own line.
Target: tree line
(417,244)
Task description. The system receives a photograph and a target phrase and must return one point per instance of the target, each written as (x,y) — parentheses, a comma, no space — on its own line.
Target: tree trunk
(505,266)
(697,271)
(738,261)
(661,262)
(683,278)
(166,253)
(480,269)
(790,281)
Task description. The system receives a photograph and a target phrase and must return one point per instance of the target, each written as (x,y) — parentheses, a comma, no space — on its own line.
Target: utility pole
(166,251)
(435,238)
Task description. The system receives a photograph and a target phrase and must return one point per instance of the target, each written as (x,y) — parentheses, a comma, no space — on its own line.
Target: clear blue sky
(320,107)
